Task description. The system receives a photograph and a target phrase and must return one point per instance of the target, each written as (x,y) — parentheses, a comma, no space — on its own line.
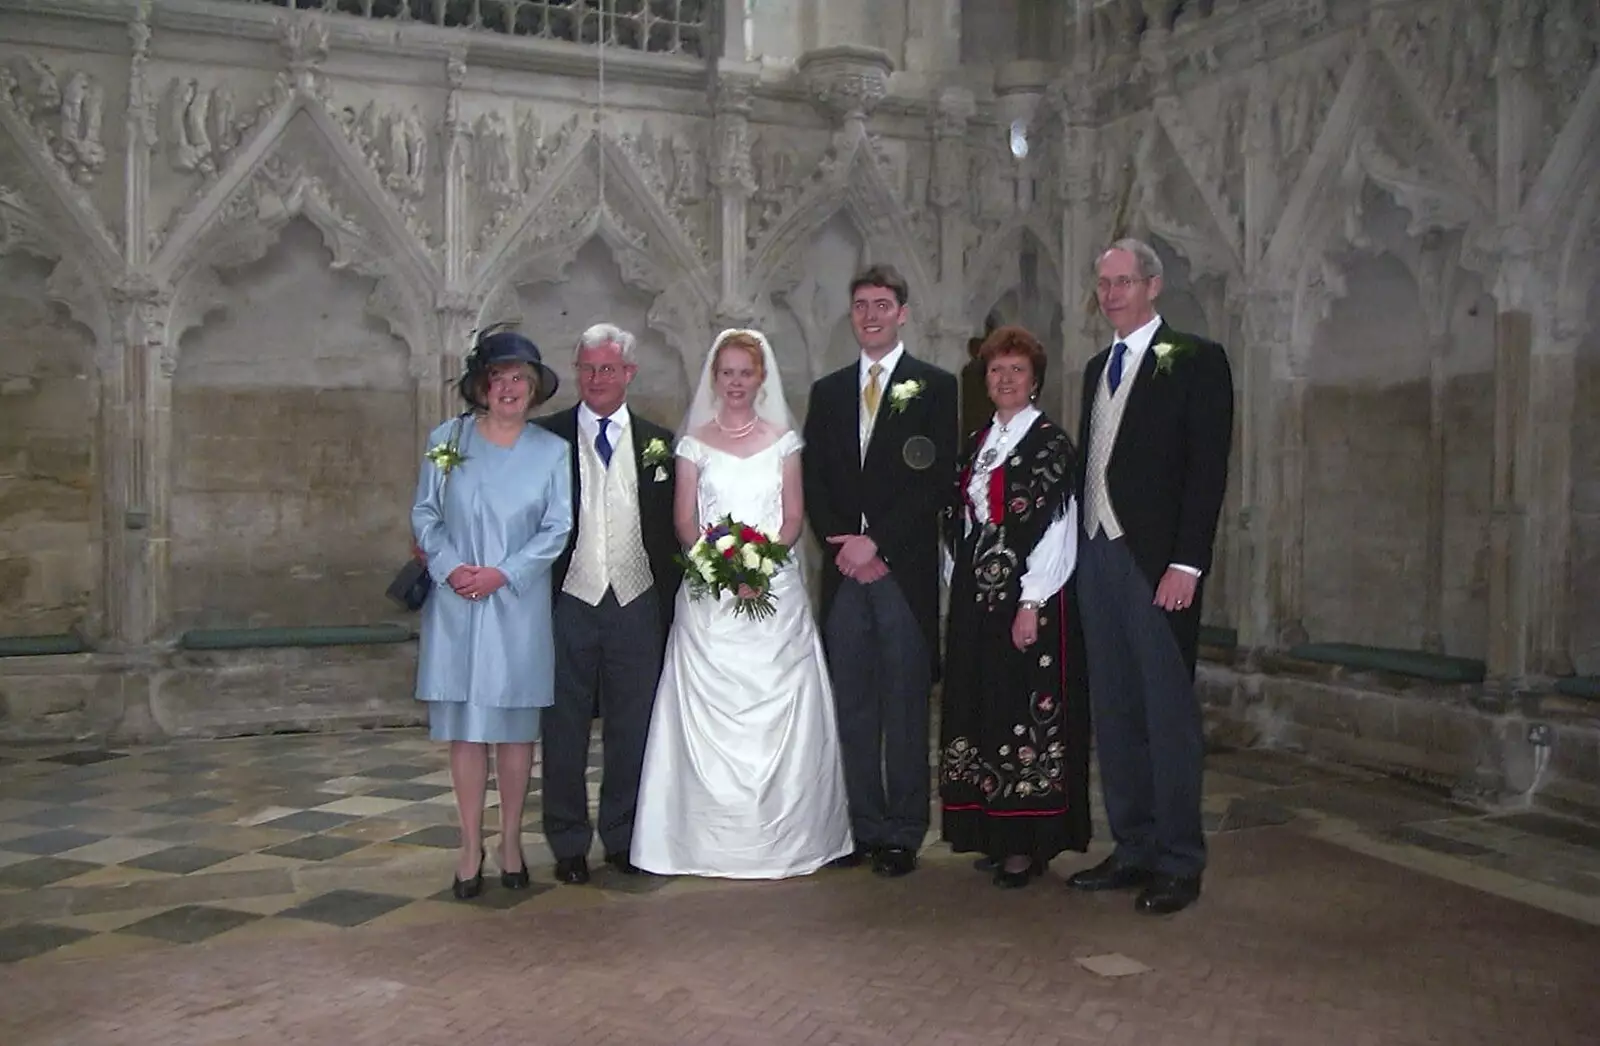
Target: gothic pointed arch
(652,253)
(300,165)
(1579,257)
(75,281)
(850,180)
(1567,178)
(989,271)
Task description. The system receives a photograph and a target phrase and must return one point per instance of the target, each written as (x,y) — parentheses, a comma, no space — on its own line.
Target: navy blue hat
(500,344)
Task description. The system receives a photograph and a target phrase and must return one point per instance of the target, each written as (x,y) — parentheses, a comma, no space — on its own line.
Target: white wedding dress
(742,777)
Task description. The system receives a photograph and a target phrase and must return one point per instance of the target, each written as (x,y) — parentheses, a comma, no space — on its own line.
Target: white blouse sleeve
(1052,561)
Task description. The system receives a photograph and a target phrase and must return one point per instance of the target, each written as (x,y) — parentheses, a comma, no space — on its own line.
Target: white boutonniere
(1167,354)
(657,454)
(902,393)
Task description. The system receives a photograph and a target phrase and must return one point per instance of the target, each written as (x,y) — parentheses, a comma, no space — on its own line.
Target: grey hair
(1144,254)
(608,334)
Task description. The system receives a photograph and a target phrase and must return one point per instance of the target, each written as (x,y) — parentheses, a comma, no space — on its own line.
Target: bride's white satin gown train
(742,776)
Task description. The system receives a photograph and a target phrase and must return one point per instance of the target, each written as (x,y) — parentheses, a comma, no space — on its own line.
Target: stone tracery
(1262,143)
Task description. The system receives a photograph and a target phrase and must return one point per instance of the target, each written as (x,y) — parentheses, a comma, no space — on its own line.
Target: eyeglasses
(603,370)
(1121,283)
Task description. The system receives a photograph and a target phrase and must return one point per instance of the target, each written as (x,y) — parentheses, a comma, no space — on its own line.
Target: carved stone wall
(263,240)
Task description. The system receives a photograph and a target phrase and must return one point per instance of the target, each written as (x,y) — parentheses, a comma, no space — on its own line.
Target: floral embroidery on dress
(1034,481)
(1034,766)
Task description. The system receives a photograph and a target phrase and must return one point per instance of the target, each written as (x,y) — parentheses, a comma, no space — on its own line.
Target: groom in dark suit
(878,467)
(1156,427)
(614,590)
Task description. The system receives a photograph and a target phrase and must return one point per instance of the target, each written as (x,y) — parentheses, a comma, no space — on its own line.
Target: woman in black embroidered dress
(1014,728)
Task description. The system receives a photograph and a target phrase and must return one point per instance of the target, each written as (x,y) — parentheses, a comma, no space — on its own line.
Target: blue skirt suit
(486,667)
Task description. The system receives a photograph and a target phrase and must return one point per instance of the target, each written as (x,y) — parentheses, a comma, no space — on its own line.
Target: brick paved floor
(294,888)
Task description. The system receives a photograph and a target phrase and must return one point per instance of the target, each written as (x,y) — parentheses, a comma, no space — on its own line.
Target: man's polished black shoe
(621,863)
(891,862)
(1167,894)
(854,859)
(1109,875)
(573,870)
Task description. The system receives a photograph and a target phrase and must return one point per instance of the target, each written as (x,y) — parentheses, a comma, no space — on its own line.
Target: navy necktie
(602,444)
(1114,376)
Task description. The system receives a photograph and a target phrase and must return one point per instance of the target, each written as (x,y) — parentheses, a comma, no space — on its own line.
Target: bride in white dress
(742,776)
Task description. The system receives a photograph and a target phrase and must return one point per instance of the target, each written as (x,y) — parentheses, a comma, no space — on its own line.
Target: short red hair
(1013,340)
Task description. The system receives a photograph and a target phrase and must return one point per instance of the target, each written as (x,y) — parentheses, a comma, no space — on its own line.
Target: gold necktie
(870,396)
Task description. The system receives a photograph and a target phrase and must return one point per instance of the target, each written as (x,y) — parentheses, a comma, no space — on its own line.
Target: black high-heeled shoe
(467,889)
(516,880)
(1017,880)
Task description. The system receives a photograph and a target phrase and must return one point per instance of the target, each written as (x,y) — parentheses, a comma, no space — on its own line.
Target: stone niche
(49,545)
(294,463)
(1390,389)
(592,291)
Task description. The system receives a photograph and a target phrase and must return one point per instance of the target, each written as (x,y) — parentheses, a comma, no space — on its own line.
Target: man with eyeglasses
(1156,426)
(615,586)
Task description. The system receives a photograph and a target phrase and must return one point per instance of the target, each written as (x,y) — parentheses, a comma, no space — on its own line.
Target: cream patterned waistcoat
(1105,422)
(610,549)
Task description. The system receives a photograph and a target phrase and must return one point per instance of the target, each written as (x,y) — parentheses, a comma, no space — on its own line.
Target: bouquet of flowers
(735,557)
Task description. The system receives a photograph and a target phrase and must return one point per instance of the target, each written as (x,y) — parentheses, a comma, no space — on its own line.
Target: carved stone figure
(495,172)
(80,150)
(406,159)
(67,121)
(188,138)
(686,187)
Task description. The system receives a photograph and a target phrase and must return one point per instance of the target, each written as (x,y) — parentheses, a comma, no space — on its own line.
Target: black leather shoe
(621,863)
(517,880)
(573,870)
(467,889)
(986,865)
(855,859)
(891,862)
(1109,875)
(1167,894)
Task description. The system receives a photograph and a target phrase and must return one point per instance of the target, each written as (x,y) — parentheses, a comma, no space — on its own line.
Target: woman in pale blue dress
(492,513)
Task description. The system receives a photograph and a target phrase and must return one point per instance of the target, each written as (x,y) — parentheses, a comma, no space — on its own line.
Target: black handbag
(412,584)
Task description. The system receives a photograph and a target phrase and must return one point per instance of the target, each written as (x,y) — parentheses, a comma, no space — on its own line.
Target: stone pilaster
(1267,559)
(734,179)
(1081,235)
(1530,543)
(949,193)
(457,160)
(136,449)
(140,122)
(1434,269)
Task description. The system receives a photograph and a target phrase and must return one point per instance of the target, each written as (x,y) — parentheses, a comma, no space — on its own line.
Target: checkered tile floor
(104,852)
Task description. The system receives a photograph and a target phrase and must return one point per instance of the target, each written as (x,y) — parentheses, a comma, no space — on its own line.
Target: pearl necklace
(736,433)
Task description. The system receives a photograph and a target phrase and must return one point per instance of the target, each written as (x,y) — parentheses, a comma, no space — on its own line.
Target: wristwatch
(1030,604)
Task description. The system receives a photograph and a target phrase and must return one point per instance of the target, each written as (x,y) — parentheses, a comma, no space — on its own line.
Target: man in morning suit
(878,464)
(1157,423)
(614,592)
